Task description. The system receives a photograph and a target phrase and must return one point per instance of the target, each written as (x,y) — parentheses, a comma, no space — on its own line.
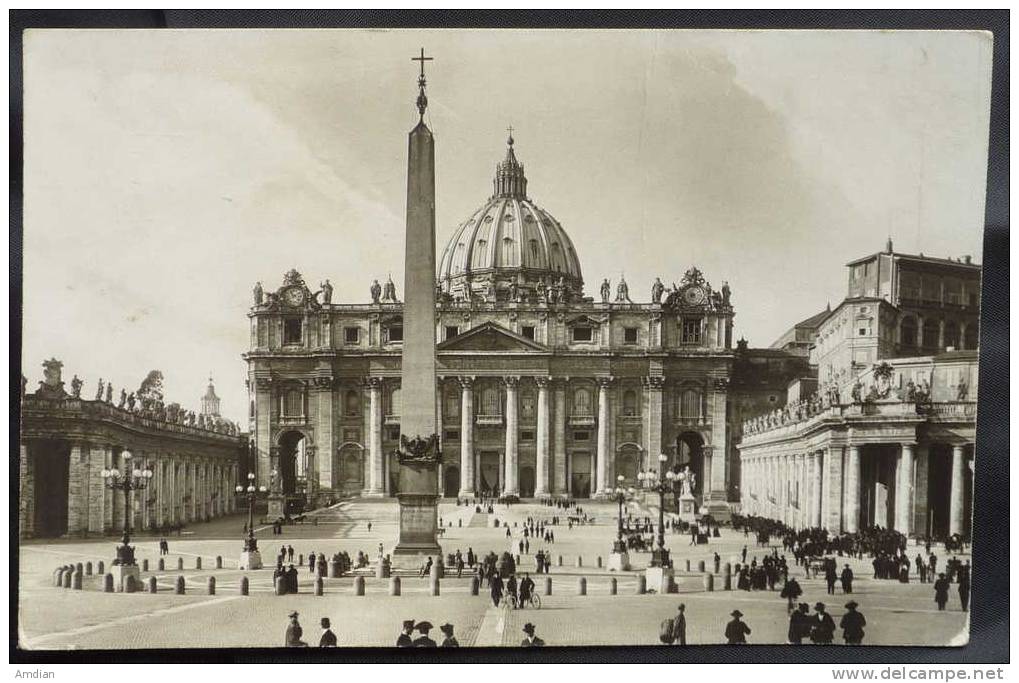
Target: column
(26,491)
(77,490)
(512,431)
(467,436)
(559,482)
(324,477)
(376,467)
(653,421)
(108,499)
(921,518)
(541,454)
(956,502)
(852,515)
(904,489)
(714,487)
(816,489)
(603,436)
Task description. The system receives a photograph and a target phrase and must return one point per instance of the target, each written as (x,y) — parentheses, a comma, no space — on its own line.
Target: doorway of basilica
(488,471)
(580,475)
(690,453)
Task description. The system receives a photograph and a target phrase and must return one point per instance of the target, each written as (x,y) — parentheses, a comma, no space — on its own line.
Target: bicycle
(512,601)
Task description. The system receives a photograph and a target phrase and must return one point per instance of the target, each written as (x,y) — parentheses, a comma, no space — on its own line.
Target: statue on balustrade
(99,390)
(76,387)
(376,291)
(258,293)
(109,392)
(623,292)
(123,398)
(606,291)
(657,288)
(857,392)
(131,401)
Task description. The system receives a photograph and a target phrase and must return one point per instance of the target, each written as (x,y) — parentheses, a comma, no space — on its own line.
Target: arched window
(951,335)
(907,332)
(393,407)
(293,403)
(452,407)
(527,404)
(629,402)
(479,254)
(534,252)
(351,403)
(507,251)
(690,403)
(930,334)
(582,401)
(490,403)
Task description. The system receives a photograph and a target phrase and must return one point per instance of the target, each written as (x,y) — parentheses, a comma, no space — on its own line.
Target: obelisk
(419,454)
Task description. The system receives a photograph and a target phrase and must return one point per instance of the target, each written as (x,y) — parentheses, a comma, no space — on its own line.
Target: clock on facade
(294,296)
(694,296)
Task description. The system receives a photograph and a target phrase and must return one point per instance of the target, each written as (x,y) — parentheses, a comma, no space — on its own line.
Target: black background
(990,600)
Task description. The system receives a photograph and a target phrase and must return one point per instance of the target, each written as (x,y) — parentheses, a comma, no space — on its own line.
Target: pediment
(490,337)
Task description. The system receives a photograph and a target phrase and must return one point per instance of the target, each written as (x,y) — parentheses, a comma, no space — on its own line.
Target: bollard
(198,562)
(100,568)
(582,586)
(180,586)
(559,561)
(219,561)
(709,581)
(359,585)
(475,585)
(108,583)
(130,585)
(280,585)
(319,585)
(717,565)
(300,559)
(548,585)
(161,565)
(382,570)
(244,585)
(58,577)
(700,566)
(212,585)
(145,566)
(580,561)
(641,585)
(688,565)
(76,580)
(727,582)
(67,578)
(598,561)
(180,564)
(394,585)
(612,586)
(88,569)
(433,585)
(334,569)
(727,568)
(152,584)
(80,568)
(460,522)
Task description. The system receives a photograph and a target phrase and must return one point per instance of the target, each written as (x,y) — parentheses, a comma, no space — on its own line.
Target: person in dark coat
(328,638)
(941,591)
(679,626)
(294,632)
(423,640)
(736,631)
(799,624)
(531,640)
(964,586)
(847,580)
(292,579)
(791,591)
(830,577)
(404,639)
(822,627)
(495,581)
(852,624)
(449,640)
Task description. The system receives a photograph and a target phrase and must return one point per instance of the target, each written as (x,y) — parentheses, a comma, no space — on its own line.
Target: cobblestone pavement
(56,618)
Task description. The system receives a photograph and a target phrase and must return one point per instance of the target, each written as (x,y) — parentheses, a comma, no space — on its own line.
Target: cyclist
(511,590)
(526,589)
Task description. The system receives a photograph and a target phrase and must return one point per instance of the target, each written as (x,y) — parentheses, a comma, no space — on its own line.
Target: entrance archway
(50,461)
(690,453)
(488,472)
(292,467)
(580,475)
(627,460)
(527,482)
(451,481)
(351,469)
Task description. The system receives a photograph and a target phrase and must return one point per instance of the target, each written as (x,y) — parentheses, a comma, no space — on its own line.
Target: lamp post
(250,543)
(620,495)
(653,481)
(127,481)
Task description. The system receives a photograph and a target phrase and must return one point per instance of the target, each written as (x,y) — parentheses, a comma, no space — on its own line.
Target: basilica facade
(542,389)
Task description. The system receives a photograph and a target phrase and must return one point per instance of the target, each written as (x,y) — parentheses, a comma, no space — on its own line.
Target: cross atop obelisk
(422,98)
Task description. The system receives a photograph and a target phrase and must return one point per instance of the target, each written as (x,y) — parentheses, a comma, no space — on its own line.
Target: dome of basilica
(510,248)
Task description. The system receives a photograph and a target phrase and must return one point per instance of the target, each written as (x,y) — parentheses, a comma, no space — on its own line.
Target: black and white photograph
(499,338)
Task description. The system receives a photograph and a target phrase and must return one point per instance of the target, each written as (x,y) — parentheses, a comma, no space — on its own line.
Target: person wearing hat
(852,624)
(736,631)
(531,640)
(679,626)
(799,624)
(294,632)
(941,591)
(822,626)
(449,640)
(328,638)
(847,580)
(423,640)
(404,640)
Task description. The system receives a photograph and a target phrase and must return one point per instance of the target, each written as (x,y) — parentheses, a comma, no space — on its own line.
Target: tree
(151,387)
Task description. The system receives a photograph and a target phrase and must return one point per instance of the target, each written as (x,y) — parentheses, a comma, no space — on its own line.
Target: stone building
(884,433)
(542,390)
(66,442)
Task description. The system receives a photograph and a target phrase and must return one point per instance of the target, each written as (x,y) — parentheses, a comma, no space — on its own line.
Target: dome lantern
(510,180)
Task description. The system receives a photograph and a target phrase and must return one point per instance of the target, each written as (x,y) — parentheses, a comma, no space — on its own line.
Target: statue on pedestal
(109,392)
(606,291)
(123,398)
(327,292)
(76,386)
(656,291)
(258,293)
(130,402)
(726,292)
(99,390)
(689,481)
(389,292)
(376,291)
(623,292)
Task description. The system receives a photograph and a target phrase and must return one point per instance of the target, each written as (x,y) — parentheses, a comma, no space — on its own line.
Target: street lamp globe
(137,473)
(147,473)
(662,458)
(105,474)
(238,488)
(114,472)
(262,489)
(251,476)
(251,489)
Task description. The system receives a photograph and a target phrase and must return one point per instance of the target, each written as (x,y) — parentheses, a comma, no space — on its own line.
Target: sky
(167,171)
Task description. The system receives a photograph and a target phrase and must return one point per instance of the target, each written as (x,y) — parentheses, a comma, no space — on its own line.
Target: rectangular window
(528,331)
(863,331)
(630,335)
(452,331)
(393,432)
(292,330)
(527,436)
(351,435)
(452,435)
(582,334)
(351,335)
(581,436)
(691,330)
(394,333)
